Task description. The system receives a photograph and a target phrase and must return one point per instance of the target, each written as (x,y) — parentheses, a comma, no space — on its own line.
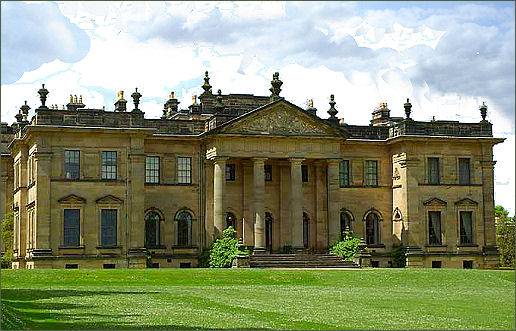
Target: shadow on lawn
(21,310)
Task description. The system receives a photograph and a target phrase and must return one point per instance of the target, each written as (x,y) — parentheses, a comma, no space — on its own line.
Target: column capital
(219,159)
(259,159)
(294,160)
(332,161)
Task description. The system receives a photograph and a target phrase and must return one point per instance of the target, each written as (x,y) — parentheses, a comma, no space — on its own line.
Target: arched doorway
(345,223)
(306,230)
(230,220)
(372,228)
(152,229)
(268,231)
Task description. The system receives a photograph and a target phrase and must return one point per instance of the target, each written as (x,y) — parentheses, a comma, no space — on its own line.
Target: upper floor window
(230,172)
(433,170)
(72,164)
(304,173)
(466,227)
(184,170)
(71,227)
(108,227)
(344,173)
(30,167)
(268,172)
(108,169)
(434,228)
(152,169)
(371,173)
(464,171)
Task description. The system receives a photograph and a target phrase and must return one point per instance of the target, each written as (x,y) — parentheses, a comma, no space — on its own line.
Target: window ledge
(188,247)
(436,246)
(108,247)
(467,245)
(376,246)
(157,247)
(71,247)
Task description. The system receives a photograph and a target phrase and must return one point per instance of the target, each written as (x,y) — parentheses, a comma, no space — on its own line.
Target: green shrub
(398,257)
(225,249)
(7,240)
(505,236)
(204,258)
(346,248)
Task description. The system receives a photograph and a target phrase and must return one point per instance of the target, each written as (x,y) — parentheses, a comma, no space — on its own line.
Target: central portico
(275,177)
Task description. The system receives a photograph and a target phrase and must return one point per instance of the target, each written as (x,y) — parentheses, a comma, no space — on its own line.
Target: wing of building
(98,188)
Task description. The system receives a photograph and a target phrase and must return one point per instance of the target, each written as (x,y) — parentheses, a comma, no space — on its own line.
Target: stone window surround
(427,169)
(109,205)
(439,208)
(474,212)
(193,232)
(378,167)
(380,225)
(159,168)
(179,156)
(471,168)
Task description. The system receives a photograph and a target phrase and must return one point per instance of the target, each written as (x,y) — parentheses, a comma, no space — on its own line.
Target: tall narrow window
(304,173)
(108,228)
(371,173)
(306,230)
(184,170)
(72,164)
(433,170)
(184,228)
(434,228)
(230,220)
(268,172)
(345,224)
(466,227)
(108,167)
(152,169)
(464,171)
(152,229)
(372,229)
(71,227)
(230,172)
(344,177)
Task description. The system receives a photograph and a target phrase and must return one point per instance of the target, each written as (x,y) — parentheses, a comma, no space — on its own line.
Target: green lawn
(256,299)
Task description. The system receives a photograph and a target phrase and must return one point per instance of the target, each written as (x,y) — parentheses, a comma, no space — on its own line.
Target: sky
(447,57)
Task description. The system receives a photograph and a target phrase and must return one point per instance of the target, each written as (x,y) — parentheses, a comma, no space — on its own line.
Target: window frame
(106,169)
(230,172)
(158,229)
(459,228)
(430,173)
(267,172)
(369,176)
(103,244)
(343,174)
(378,236)
(66,162)
(460,177)
(152,175)
(188,172)
(78,230)
(190,236)
(429,225)
(305,177)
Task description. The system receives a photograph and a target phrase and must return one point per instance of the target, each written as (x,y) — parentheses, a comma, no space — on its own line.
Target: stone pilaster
(488,196)
(258,203)
(333,201)
(247,204)
(286,227)
(209,225)
(296,203)
(321,209)
(42,214)
(219,182)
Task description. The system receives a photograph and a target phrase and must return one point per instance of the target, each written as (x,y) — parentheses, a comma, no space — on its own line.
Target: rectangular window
(108,236)
(72,164)
(71,266)
(108,169)
(464,171)
(184,170)
(344,177)
(71,227)
(152,169)
(466,227)
(230,172)
(433,170)
(437,264)
(434,228)
(268,172)
(304,173)
(371,173)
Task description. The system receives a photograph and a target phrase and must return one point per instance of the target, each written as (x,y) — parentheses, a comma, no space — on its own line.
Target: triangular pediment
(435,202)
(109,199)
(72,199)
(280,118)
(466,201)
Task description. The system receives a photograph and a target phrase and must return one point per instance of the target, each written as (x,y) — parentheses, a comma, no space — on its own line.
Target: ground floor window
(71,227)
(345,224)
(466,227)
(372,229)
(184,228)
(230,220)
(108,227)
(152,229)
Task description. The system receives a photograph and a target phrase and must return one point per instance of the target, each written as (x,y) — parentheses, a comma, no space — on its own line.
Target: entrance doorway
(306,230)
(268,232)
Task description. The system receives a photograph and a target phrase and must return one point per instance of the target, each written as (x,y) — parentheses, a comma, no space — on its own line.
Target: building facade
(112,189)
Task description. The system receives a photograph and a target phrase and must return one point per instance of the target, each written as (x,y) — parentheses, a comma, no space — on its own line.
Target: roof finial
(408,109)
(332,111)
(136,100)
(120,104)
(483,110)
(219,105)
(310,107)
(43,92)
(276,86)
(206,86)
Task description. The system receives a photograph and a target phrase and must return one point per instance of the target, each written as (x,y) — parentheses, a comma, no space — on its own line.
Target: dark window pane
(371,173)
(72,164)
(108,227)
(268,172)
(344,172)
(372,229)
(304,173)
(152,229)
(230,220)
(464,172)
(230,172)
(306,230)
(152,169)
(434,228)
(466,227)
(184,228)
(71,227)
(109,165)
(345,224)
(433,170)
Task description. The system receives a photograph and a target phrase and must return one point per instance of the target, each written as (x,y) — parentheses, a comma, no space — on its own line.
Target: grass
(258,299)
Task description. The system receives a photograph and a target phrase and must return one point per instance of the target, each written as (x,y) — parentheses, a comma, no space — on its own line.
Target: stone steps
(299,261)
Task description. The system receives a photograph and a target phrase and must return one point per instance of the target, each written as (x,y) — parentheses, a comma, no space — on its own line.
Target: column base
(40,252)
(259,251)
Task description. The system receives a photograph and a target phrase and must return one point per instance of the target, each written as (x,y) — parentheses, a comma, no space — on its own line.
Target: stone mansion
(92,188)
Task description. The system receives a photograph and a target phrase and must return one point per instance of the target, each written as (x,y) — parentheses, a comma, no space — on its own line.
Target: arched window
(306,230)
(230,220)
(152,229)
(184,228)
(345,223)
(372,228)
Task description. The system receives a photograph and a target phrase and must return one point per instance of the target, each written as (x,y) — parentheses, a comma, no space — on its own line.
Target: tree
(225,249)
(505,236)
(7,240)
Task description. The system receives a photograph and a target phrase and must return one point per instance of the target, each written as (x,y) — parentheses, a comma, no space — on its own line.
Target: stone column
(209,226)
(296,204)
(219,181)
(333,201)
(42,215)
(321,210)
(258,203)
